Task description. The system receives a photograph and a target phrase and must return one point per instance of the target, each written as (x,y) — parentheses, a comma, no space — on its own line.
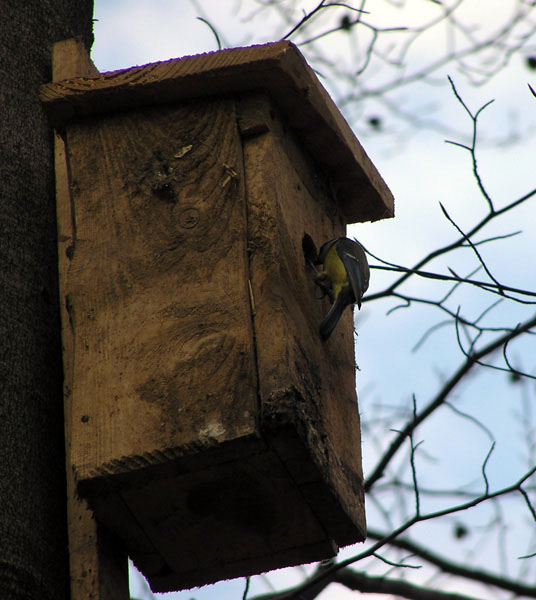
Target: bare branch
(412,461)
(367,584)
(472,148)
(329,573)
(528,502)
(457,569)
(492,287)
(499,286)
(395,564)
(211,27)
(440,398)
(448,248)
(484,464)
(321,5)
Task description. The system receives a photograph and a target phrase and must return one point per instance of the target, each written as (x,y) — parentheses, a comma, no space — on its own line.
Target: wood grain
(278,68)
(71,60)
(157,284)
(98,562)
(307,387)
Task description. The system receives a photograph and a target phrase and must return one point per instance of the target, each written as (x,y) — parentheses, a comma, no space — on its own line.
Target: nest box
(209,427)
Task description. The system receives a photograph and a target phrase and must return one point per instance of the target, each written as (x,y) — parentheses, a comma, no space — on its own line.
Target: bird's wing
(356,268)
(332,318)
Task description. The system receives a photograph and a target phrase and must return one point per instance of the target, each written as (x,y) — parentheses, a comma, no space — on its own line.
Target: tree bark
(33,548)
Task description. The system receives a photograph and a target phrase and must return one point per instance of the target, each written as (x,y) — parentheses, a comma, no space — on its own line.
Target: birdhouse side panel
(326,370)
(304,381)
(156,288)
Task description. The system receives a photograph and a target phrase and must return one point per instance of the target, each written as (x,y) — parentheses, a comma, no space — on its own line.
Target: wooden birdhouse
(209,427)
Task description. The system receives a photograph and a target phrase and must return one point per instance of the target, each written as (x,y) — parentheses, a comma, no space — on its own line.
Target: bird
(344,278)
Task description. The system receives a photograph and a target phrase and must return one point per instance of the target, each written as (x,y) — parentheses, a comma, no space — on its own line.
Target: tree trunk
(33,547)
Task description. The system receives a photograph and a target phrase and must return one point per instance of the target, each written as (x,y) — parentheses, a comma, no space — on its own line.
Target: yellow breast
(334,269)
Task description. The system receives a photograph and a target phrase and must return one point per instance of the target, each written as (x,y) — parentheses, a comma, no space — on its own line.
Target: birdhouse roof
(278,68)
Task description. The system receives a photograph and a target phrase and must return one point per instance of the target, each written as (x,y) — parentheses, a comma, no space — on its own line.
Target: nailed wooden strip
(71,59)
(278,68)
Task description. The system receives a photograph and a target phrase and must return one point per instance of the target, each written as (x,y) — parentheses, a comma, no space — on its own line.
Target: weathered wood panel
(98,562)
(156,289)
(279,68)
(306,385)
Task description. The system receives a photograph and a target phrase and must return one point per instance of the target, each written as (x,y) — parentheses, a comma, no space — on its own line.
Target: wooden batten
(209,428)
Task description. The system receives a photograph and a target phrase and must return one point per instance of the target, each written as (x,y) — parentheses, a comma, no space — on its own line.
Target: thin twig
(328,574)
(456,568)
(440,398)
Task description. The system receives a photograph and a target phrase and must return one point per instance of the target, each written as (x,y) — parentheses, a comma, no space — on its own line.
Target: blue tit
(344,278)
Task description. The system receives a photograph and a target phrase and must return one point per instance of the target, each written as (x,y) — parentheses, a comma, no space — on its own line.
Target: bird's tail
(332,318)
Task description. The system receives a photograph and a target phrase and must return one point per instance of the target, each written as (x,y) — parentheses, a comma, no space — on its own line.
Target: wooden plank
(158,282)
(307,387)
(279,68)
(70,60)
(98,564)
